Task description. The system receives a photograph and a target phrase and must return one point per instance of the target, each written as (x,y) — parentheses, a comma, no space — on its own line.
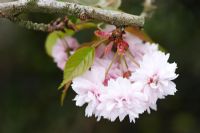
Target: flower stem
(131,57)
(124,59)
(97,43)
(113,60)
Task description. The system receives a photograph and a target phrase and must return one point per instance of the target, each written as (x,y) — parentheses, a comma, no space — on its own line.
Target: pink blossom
(120,99)
(156,75)
(60,49)
(89,88)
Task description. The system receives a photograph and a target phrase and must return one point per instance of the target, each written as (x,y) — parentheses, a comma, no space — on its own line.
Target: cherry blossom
(120,99)
(88,88)
(156,75)
(63,49)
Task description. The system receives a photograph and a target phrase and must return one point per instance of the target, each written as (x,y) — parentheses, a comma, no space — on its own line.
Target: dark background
(29,100)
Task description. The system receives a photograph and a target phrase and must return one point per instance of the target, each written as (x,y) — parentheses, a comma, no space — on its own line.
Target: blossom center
(153,81)
(127,74)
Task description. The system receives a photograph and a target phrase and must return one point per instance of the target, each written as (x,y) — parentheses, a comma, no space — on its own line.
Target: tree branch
(65,8)
(31,25)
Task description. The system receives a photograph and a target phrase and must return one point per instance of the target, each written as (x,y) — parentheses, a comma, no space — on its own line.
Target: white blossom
(88,88)
(121,99)
(156,75)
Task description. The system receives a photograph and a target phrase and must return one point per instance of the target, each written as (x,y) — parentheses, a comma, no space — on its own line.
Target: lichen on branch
(65,8)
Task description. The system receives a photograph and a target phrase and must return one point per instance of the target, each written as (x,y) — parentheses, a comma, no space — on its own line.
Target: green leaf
(69,32)
(51,40)
(78,63)
(53,37)
(86,26)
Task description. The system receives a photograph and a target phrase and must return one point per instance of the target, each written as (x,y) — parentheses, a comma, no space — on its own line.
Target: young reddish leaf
(78,63)
(142,35)
(139,33)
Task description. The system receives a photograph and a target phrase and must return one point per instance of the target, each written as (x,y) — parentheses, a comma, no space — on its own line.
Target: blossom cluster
(125,85)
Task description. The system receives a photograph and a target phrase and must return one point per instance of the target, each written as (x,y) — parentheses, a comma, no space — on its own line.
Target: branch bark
(48,6)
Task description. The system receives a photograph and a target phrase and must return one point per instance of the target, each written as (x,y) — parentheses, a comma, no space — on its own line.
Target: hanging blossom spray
(127,77)
(120,73)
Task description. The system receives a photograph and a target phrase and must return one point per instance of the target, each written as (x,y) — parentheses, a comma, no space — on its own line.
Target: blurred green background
(29,100)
